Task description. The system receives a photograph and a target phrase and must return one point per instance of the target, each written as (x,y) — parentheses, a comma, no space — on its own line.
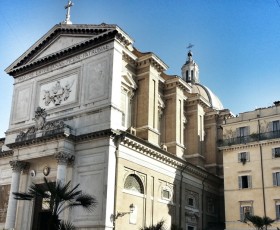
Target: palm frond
(158,226)
(86,201)
(66,225)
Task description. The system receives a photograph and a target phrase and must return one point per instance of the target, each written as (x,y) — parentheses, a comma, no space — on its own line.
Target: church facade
(90,108)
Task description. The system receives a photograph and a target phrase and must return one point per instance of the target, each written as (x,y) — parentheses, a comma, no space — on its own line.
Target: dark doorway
(41,213)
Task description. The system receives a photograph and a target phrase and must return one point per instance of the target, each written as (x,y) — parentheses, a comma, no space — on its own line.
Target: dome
(208,95)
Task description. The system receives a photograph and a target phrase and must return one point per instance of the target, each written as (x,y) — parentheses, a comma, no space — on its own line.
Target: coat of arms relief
(57,93)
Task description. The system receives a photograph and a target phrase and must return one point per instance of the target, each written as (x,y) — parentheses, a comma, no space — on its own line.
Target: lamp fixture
(121,214)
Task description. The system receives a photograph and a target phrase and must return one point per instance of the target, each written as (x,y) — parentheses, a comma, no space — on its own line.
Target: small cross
(190,46)
(68,6)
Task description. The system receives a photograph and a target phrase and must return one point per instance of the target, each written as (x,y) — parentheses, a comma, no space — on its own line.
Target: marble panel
(22,102)
(96,79)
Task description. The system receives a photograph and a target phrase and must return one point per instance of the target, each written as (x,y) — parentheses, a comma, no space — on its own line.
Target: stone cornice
(93,32)
(65,53)
(177,82)
(250,145)
(151,59)
(165,157)
(197,99)
(7,153)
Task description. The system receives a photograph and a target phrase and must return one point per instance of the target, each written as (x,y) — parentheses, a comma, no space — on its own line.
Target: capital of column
(64,158)
(18,166)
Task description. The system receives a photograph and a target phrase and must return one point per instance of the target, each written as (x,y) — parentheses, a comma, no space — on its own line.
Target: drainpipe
(181,188)
(261,155)
(118,138)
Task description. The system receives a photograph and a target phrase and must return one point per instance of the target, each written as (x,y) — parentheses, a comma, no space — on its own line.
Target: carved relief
(57,93)
(40,118)
(45,128)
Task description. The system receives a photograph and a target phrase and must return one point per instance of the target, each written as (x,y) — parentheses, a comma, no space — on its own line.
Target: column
(63,159)
(17,167)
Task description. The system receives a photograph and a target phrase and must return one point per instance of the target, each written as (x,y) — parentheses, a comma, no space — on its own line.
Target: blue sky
(237,42)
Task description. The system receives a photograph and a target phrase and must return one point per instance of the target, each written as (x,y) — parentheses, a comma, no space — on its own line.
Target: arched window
(134,183)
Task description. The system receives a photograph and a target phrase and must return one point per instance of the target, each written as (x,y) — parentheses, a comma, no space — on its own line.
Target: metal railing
(250,138)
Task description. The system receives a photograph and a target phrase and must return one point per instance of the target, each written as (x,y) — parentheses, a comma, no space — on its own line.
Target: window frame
(243,213)
(277,210)
(240,157)
(276,179)
(240,182)
(167,189)
(276,152)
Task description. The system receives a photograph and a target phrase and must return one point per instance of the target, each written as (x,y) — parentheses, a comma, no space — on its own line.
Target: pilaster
(17,167)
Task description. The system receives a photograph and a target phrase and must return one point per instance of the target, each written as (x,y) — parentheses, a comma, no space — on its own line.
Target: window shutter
(277,211)
(239,157)
(247,156)
(251,210)
(270,127)
(249,181)
(240,182)
(274,179)
(238,132)
(273,153)
(242,214)
(247,131)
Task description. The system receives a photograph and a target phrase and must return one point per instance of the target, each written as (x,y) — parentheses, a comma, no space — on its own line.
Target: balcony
(250,138)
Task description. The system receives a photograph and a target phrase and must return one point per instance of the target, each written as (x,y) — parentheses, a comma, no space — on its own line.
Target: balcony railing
(250,138)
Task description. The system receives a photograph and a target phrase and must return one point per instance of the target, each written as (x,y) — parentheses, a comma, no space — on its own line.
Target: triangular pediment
(64,40)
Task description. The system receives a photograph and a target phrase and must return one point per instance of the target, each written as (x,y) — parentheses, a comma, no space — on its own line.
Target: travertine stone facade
(91,108)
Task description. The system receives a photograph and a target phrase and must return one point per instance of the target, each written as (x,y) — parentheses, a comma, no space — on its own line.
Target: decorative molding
(65,62)
(7,153)
(64,158)
(18,166)
(43,128)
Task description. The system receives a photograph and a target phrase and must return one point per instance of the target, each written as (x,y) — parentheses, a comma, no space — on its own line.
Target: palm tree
(158,226)
(260,223)
(59,197)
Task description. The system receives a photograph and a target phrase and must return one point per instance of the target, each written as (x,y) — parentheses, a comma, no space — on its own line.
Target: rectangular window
(190,202)
(245,182)
(166,194)
(245,211)
(210,205)
(243,157)
(242,134)
(276,152)
(276,178)
(275,126)
(277,207)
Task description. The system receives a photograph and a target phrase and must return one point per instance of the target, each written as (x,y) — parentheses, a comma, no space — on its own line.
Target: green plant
(158,226)
(254,136)
(59,198)
(260,223)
